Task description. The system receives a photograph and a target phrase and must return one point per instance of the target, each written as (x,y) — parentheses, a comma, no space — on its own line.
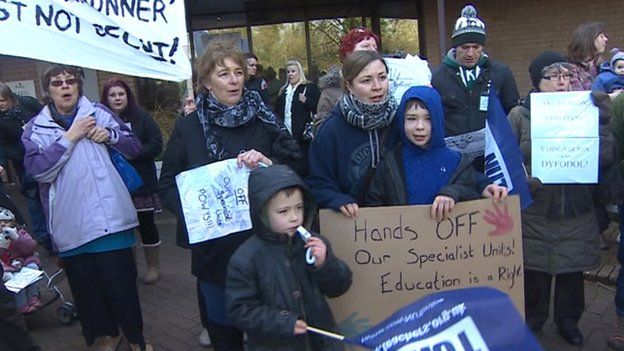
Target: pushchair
(49,293)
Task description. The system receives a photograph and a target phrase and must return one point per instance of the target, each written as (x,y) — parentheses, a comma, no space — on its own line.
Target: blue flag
(471,319)
(503,159)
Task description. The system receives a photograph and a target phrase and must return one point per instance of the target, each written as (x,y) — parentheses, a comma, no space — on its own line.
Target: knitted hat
(542,61)
(468,28)
(617,55)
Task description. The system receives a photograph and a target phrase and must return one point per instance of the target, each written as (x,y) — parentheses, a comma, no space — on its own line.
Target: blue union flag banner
(471,319)
(503,159)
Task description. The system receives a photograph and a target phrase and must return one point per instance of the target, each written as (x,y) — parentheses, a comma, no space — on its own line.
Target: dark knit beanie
(468,28)
(542,61)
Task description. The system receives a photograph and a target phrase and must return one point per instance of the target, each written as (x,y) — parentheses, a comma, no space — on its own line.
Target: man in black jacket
(254,81)
(464,79)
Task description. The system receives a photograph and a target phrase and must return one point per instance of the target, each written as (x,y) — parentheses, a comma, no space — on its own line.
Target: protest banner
(466,319)
(564,138)
(405,73)
(215,200)
(140,38)
(400,254)
(503,161)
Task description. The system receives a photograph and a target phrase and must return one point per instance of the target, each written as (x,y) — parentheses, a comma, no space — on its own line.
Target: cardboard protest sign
(564,138)
(400,254)
(466,319)
(215,200)
(140,38)
(407,72)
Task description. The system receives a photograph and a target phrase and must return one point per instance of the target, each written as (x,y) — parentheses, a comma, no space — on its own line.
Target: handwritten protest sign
(215,201)
(135,37)
(407,72)
(399,254)
(23,87)
(564,138)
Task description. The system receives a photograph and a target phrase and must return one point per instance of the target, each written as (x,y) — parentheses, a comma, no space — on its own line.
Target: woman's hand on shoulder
(495,192)
(252,159)
(350,210)
(441,207)
(80,128)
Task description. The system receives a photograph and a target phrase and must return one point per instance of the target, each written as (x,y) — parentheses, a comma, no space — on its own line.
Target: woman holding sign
(229,122)
(348,146)
(560,231)
(90,213)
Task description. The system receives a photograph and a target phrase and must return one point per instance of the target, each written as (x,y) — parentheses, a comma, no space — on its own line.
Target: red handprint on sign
(501,220)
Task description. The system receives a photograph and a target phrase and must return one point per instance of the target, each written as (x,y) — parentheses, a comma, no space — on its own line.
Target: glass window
(277,43)
(399,36)
(202,38)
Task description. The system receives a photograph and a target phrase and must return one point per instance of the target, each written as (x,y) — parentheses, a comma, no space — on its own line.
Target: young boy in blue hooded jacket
(421,169)
(271,292)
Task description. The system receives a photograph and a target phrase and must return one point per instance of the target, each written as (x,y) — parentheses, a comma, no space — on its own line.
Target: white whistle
(305,235)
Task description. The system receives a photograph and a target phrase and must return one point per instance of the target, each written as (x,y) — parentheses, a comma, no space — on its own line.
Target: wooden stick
(326,333)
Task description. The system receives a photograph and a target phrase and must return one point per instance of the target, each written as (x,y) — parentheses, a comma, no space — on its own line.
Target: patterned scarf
(213,113)
(368,116)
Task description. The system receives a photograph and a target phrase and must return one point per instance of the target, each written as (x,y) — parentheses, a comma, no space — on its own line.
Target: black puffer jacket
(269,285)
(11,123)
(186,150)
(461,106)
(148,132)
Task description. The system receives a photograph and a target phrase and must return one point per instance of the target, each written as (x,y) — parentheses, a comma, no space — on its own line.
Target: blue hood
(433,101)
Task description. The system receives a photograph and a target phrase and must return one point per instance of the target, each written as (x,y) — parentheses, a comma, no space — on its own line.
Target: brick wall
(15,68)
(519,30)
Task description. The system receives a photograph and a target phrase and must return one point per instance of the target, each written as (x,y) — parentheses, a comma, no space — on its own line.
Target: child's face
(285,212)
(619,67)
(417,125)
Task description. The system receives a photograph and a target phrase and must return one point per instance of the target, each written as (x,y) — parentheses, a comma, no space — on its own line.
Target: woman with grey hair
(89,209)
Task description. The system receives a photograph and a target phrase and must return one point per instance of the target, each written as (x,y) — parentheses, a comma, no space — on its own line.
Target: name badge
(483,103)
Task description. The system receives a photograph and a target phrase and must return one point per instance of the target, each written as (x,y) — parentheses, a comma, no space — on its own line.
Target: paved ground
(172,321)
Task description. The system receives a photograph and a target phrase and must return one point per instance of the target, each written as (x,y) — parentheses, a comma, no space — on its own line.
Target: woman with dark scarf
(349,144)
(421,170)
(229,122)
(117,96)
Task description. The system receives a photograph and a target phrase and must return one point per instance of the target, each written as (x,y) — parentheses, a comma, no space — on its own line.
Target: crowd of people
(344,144)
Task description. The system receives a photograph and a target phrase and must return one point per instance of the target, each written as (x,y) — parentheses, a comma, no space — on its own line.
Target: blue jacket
(607,80)
(340,157)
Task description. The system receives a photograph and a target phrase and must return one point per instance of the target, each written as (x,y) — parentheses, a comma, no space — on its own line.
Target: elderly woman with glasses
(89,209)
(559,230)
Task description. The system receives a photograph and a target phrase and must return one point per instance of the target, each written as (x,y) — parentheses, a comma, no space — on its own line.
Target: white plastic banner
(215,200)
(407,72)
(564,138)
(135,37)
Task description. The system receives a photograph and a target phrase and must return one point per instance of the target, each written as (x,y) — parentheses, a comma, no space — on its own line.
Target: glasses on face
(564,76)
(58,83)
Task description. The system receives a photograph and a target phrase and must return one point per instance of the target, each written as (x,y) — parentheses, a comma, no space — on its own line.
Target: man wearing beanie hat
(462,80)
(559,230)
